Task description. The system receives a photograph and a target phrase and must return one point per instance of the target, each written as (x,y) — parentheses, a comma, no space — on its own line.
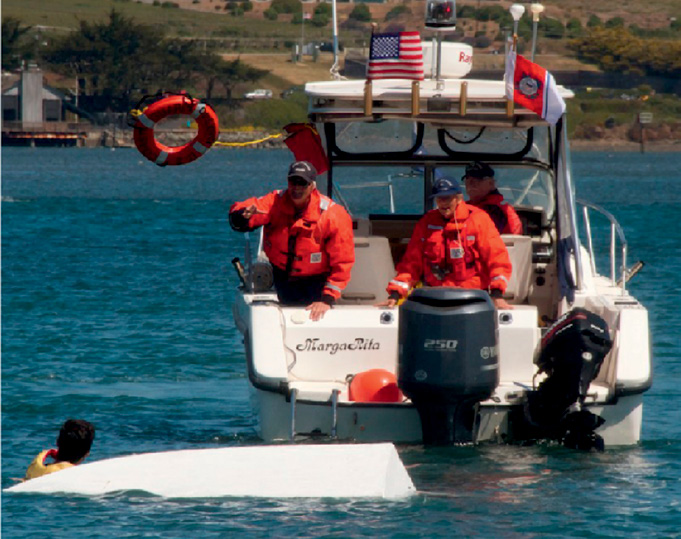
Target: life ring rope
(139,115)
(248,143)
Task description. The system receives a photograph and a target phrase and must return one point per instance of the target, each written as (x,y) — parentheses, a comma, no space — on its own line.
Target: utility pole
(643,119)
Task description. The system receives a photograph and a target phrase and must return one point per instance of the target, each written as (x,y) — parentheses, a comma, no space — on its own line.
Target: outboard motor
(572,352)
(448,359)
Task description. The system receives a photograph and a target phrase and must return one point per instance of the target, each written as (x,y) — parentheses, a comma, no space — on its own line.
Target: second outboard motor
(448,359)
(572,352)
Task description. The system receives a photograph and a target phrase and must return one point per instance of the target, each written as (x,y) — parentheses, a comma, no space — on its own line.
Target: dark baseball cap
(446,186)
(304,170)
(479,170)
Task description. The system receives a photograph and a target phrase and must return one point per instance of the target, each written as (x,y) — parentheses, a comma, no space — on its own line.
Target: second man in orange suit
(454,245)
(483,193)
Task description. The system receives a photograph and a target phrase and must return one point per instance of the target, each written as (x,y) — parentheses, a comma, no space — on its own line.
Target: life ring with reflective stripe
(162,155)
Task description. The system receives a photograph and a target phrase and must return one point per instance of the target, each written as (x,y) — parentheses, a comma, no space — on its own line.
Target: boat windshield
(394,189)
(408,139)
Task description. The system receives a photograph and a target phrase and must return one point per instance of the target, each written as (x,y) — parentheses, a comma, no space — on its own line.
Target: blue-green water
(116,296)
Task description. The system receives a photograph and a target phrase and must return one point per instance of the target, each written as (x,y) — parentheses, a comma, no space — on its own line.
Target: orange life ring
(161,154)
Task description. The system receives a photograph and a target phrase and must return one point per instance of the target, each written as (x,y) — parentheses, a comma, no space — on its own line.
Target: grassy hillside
(64,15)
(266,44)
(206,18)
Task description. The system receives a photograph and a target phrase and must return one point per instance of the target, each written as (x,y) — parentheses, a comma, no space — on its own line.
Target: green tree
(552,28)
(323,9)
(116,57)
(120,61)
(594,21)
(14,46)
(286,6)
(232,73)
(320,20)
(616,50)
(574,27)
(397,11)
(360,13)
(615,22)
(465,12)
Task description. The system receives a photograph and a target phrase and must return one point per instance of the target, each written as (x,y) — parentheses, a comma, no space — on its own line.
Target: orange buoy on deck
(375,385)
(162,155)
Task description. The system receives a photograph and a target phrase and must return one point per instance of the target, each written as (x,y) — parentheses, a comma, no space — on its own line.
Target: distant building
(35,114)
(29,101)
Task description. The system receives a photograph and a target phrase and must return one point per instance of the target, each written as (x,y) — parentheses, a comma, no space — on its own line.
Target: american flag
(395,56)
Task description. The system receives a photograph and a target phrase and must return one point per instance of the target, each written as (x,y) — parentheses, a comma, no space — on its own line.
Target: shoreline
(179,137)
(583,145)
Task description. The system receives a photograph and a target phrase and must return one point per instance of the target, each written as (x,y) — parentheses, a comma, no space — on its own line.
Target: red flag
(533,87)
(395,56)
(306,145)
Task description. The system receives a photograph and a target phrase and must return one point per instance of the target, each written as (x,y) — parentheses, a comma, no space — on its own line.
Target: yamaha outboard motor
(448,359)
(572,352)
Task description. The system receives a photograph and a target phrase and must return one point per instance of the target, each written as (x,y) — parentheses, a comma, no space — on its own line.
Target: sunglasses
(298,182)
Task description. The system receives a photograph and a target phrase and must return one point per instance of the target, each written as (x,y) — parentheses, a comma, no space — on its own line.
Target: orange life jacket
(503,215)
(318,240)
(465,252)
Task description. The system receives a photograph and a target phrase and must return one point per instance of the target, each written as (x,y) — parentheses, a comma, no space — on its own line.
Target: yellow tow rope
(237,144)
(136,112)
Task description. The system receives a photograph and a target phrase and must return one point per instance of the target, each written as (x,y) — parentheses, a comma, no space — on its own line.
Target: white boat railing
(616,233)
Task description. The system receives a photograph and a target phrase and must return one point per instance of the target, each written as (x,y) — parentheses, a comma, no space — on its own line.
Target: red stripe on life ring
(162,155)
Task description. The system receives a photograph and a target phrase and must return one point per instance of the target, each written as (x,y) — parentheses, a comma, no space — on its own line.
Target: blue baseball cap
(446,186)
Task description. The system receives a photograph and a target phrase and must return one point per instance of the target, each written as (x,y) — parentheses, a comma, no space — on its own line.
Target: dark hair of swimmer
(75,440)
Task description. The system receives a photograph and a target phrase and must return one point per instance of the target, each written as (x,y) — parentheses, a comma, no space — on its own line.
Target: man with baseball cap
(308,239)
(483,193)
(455,245)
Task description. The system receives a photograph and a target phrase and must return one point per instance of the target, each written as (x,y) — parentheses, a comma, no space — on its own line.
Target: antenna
(536,9)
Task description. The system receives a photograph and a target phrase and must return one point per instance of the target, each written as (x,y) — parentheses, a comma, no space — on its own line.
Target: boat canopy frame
(556,164)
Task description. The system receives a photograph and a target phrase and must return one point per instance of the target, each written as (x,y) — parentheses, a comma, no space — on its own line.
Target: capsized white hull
(280,471)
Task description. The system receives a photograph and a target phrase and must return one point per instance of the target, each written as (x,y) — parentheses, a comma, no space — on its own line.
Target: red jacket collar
(493,197)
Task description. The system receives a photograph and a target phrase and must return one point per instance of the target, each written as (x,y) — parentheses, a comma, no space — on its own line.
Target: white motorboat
(572,356)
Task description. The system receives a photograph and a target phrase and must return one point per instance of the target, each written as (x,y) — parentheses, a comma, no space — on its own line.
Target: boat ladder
(334,413)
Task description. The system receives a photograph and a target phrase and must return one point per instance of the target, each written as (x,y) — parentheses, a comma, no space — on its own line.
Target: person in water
(455,245)
(73,445)
(482,193)
(308,239)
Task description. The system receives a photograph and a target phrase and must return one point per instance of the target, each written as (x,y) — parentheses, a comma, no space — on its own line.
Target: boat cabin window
(509,143)
(412,141)
(375,137)
(368,190)
(402,190)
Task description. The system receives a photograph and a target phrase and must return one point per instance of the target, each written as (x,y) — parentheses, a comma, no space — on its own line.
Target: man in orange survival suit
(308,239)
(483,193)
(454,245)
